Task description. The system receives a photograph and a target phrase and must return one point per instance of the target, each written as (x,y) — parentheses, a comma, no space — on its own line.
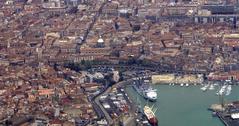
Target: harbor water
(184,106)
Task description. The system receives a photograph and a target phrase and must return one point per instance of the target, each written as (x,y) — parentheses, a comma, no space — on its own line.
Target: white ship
(146,91)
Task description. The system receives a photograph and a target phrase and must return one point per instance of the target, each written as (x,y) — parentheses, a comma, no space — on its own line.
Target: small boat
(222,90)
(204,88)
(181,84)
(187,85)
(214,114)
(228,90)
(173,84)
(211,87)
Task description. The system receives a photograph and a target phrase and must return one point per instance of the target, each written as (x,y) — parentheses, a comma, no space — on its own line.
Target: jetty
(228,113)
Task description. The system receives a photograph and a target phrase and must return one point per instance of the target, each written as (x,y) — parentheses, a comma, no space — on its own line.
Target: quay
(228,113)
(227,120)
(109,119)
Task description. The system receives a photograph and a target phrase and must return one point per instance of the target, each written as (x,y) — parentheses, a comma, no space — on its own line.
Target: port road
(154,68)
(108,90)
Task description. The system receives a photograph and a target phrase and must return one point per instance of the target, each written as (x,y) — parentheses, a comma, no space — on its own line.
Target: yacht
(211,87)
(204,88)
(228,90)
(222,90)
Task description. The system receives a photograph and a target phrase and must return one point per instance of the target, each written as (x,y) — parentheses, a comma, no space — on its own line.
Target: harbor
(187,105)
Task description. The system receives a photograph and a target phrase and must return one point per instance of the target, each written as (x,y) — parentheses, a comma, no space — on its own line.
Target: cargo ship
(150,116)
(145,90)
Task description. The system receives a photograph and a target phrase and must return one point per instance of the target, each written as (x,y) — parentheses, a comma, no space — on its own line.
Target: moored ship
(150,116)
(145,90)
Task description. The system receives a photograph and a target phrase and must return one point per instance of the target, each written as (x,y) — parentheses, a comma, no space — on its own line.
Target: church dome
(100,40)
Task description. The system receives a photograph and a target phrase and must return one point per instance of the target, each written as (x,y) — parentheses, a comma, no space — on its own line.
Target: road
(130,121)
(97,101)
(108,90)
(96,16)
(153,68)
(107,116)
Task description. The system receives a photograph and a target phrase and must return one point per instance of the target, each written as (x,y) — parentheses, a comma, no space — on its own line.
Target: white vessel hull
(144,93)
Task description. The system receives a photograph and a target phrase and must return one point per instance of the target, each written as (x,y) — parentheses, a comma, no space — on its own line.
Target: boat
(228,90)
(204,88)
(181,84)
(214,114)
(146,91)
(102,122)
(211,87)
(148,112)
(187,85)
(222,90)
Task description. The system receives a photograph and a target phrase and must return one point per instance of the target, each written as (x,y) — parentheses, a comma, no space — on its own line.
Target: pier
(229,114)
(227,120)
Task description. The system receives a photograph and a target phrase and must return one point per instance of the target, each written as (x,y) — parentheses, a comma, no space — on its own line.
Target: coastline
(171,78)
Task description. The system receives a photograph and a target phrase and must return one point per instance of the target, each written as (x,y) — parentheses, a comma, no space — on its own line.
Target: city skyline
(104,62)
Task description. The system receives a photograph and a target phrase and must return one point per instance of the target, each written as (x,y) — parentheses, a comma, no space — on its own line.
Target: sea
(184,106)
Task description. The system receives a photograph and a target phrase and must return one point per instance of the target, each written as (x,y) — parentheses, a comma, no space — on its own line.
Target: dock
(228,114)
(227,120)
